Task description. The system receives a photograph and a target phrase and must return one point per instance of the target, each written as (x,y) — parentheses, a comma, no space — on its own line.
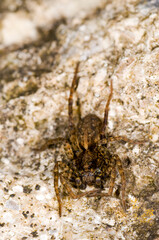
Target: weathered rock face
(41,41)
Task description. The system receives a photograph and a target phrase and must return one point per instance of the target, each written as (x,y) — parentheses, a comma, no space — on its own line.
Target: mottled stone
(40,43)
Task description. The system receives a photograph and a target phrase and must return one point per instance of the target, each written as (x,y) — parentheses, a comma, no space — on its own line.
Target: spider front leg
(123,181)
(112,161)
(117,162)
(48,143)
(67,186)
(105,121)
(125,139)
(72,90)
(58,175)
(112,180)
(56,178)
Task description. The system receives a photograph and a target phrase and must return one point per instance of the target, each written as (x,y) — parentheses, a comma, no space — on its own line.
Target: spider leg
(48,143)
(112,181)
(105,121)
(73,136)
(56,178)
(70,101)
(79,108)
(115,162)
(125,139)
(68,150)
(123,181)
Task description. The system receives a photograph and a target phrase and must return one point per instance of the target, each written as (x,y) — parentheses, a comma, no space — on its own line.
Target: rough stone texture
(40,42)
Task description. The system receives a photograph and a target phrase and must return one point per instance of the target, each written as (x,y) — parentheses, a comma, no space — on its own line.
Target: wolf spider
(88,160)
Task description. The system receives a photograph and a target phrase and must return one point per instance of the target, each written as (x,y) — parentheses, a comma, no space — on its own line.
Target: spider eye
(78,181)
(98,171)
(98,180)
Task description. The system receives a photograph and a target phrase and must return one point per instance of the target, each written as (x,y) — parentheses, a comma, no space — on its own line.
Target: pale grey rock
(12,205)
(116,40)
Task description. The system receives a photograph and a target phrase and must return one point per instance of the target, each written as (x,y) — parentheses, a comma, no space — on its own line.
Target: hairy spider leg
(70,101)
(73,135)
(112,178)
(56,178)
(49,143)
(105,121)
(117,162)
(79,108)
(125,139)
(123,181)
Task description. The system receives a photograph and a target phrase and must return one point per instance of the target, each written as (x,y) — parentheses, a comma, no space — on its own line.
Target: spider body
(87,161)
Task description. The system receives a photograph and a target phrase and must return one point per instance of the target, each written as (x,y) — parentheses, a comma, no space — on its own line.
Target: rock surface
(40,43)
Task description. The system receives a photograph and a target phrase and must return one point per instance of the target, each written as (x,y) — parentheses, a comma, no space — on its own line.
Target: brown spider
(88,160)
